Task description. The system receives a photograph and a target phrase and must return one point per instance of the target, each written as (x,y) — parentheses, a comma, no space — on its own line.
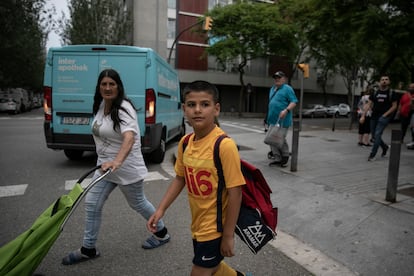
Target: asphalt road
(39,176)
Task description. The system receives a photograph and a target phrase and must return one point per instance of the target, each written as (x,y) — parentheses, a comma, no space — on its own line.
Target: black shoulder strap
(185,142)
(221,184)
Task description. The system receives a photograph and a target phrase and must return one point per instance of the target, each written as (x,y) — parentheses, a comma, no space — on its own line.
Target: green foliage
(23,37)
(353,37)
(97,22)
(250,30)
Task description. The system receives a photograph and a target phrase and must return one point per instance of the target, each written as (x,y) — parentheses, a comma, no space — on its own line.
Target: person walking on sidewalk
(116,134)
(383,104)
(195,170)
(282,101)
(406,111)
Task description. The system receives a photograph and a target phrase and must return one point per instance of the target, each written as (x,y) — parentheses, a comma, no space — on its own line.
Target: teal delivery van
(70,79)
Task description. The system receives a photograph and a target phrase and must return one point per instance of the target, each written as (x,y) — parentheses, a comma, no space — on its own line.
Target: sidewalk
(335,202)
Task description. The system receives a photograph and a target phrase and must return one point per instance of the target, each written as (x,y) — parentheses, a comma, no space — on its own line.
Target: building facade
(167,27)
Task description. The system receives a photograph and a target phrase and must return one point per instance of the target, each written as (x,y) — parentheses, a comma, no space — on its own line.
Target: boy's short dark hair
(201,86)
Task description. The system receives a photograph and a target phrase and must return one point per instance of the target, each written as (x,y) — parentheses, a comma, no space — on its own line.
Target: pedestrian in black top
(383,104)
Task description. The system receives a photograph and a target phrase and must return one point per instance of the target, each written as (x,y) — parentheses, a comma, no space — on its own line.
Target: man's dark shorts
(207,254)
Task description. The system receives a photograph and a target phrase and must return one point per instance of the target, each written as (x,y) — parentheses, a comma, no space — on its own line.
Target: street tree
(23,38)
(97,22)
(360,40)
(245,31)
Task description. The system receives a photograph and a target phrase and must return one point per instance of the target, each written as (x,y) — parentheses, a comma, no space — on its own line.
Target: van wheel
(157,156)
(73,154)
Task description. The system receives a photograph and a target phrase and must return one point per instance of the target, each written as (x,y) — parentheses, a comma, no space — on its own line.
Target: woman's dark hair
(116,104)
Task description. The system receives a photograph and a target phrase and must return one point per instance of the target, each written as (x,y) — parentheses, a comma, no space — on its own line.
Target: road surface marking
(151,176)
(310,258)
(12,190)
(241,127)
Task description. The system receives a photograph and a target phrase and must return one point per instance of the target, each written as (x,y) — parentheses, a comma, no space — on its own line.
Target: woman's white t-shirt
(108,143)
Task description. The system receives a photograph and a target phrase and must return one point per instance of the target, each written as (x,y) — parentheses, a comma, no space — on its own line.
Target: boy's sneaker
(154,242)
(384,151)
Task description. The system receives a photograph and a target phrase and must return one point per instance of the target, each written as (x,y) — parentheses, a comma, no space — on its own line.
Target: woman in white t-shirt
(118,146)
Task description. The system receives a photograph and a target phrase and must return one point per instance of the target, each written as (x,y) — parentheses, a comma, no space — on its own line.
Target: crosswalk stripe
(240,126)
(12,190)
(151,176)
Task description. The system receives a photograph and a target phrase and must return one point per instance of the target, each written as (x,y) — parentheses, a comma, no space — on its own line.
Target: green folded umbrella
(22,255)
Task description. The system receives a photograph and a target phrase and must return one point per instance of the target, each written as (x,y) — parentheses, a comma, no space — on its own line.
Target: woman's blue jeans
(377,127)
(95,200)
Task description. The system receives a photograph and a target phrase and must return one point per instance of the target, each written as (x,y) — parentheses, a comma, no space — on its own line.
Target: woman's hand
(113,165)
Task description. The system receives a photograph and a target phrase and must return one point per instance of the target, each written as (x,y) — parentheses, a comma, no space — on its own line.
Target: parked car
(339,110)
(9,105)
(314,110)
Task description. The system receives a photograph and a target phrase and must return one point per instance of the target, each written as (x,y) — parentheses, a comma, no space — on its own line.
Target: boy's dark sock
(161,234)
(90,252)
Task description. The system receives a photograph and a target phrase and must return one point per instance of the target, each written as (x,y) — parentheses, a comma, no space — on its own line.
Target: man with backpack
(383,104)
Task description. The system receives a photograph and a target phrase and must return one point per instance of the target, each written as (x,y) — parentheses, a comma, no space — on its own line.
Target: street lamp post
(176,38)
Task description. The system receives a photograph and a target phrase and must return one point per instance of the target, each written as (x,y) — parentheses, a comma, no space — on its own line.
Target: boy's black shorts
(207,254)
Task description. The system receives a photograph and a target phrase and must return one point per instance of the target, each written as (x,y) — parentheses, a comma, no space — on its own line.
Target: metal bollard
(295,146)
(393,166)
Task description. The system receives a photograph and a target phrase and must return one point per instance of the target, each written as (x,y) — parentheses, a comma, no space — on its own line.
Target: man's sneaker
(284,161)
(384,151)
(274,163)
(371,158)
(154,242)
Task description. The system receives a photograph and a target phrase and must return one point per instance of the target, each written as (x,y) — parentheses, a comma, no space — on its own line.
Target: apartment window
(213,3)
(172,4)
(171,28)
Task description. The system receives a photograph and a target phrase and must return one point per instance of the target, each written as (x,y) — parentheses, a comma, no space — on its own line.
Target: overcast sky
(61,5)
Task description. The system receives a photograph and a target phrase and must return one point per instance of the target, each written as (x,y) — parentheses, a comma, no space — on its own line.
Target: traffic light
(304,67)
(208,23)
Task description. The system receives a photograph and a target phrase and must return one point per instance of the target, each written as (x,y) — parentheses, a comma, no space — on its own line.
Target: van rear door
(74,86)
(73,81)
(132,69)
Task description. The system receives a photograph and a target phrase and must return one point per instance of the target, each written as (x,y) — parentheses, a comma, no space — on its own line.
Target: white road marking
(241,127)
(22,118)
(151,176)
(12,190)
(310,258)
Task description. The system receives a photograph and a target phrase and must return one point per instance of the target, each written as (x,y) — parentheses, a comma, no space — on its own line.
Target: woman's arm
(128,140)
